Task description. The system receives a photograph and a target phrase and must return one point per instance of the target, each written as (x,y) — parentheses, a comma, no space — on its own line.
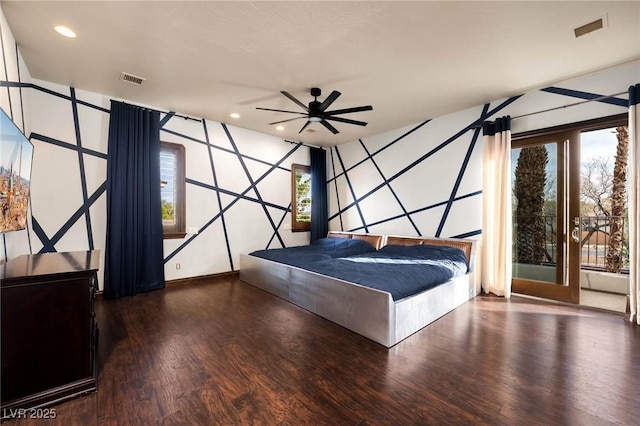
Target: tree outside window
(172,191)
(300,197)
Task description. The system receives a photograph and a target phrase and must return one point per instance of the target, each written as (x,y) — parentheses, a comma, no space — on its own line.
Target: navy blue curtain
(501,124)
(319,206)
(133,252)
(634,95)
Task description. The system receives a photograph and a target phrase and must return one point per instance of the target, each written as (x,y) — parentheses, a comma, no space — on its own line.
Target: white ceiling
(410,60)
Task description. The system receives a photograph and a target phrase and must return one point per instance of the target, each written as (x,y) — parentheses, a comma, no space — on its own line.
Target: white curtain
(633,184)
(496,208)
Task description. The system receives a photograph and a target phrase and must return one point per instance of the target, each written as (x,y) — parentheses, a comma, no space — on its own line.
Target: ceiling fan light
(314,119)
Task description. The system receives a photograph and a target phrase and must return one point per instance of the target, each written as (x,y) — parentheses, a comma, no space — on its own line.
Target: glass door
(546,223)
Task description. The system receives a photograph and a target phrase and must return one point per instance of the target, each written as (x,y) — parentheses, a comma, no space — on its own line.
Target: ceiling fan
(317,112)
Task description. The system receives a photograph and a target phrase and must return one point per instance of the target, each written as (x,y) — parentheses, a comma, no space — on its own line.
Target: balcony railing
(595,235)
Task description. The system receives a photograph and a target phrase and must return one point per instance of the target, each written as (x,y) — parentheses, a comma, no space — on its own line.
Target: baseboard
(202,277)
(99,295)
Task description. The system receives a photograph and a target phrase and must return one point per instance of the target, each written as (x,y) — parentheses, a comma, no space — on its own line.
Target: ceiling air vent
(130,78)
(590,27)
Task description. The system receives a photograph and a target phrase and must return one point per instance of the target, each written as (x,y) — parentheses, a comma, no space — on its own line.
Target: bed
(371,312)
(336,245)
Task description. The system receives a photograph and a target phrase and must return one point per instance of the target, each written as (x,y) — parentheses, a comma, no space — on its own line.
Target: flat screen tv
(16,155)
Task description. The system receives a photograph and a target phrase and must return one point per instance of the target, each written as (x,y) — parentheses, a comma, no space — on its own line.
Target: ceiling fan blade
(281,110)
(329,126)
(348,110)
(305,126)
(284,121)
(297,102)
(346,120)
(330,99)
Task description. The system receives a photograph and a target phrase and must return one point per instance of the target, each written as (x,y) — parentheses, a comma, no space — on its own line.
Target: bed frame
(369,312)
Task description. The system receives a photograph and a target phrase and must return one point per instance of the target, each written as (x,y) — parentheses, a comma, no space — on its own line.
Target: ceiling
(410,60)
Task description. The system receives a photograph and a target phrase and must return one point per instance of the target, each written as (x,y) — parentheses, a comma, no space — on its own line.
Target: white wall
(247,200)
(69,173)
(250,202)
(418,180)
(15,102)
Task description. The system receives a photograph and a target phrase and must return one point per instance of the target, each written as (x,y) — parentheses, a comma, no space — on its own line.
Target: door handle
(575,234)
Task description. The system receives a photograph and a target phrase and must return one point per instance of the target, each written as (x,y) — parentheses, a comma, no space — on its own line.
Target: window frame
(177,230)
(296,225)
(567,292)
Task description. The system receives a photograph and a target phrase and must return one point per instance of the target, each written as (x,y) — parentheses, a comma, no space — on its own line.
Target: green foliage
(615,255)
(303,197)
(168,211)
(529,190)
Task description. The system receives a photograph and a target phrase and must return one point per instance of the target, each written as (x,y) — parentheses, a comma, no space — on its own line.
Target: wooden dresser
(49,335)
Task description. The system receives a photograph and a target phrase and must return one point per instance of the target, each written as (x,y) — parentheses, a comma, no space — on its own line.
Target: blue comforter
(321,249)
(400,270)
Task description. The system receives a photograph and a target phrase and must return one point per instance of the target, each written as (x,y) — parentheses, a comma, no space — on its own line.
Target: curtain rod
(183,116)
(599,98)
(302,143)
(160,111)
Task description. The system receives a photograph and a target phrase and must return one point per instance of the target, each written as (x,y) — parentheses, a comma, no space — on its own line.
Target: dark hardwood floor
(218,351)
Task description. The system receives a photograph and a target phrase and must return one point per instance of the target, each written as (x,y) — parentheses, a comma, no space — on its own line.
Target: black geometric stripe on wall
(335,185)
(275,220)
(415,211)
(19,88)
(276,234)
(218,198)
(368,158)
(221,148)
(605,99)
(395,196)
(51,92)
(387,182)
(6,73)
(461,172)
(88,199)
(385,147)
(353,194)
(83,179)
(253,183)
(67,145)
(48,243)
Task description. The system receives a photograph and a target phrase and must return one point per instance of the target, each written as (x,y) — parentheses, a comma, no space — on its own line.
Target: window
(300,198)
(172,190)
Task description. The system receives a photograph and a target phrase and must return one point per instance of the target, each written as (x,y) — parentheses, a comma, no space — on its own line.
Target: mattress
(401,271)
(321,249)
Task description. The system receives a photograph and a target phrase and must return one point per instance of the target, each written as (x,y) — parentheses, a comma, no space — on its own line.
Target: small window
(300,198)
(172,178)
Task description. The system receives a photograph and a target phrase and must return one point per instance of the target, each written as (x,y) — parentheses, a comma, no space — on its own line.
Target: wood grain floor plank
(218,351)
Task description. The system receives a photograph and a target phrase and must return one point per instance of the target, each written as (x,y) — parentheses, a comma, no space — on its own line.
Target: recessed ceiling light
(65,31)
(280,128)
(234,115)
